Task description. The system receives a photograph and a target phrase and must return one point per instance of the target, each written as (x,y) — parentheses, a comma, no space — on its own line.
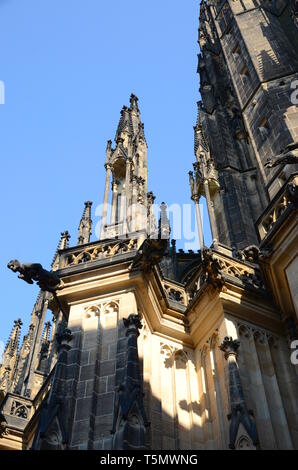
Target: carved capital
(230,347)
(132,324)
(64,337)
(108,166)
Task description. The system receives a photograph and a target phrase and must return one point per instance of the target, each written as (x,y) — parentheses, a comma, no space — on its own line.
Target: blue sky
(68,67)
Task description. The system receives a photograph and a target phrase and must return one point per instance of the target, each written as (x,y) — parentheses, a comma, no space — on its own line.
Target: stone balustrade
(280,206)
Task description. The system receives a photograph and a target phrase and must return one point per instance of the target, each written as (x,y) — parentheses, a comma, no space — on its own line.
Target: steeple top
(85,226)
(63,243)
(129,124)
(134,102)
(14,339)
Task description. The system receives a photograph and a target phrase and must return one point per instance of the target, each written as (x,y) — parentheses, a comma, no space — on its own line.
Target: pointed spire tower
(204,181)
(63,243)
(126,168)
(85,227)
(10,357)
(12,345)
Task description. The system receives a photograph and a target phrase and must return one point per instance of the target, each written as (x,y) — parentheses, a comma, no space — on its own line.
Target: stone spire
(44,349)
(205,182)
(201,140)
(23,356)
(85,227)
(164,223)
(63,243)
(46,332)
(12,345)
(9,358)
(126,169)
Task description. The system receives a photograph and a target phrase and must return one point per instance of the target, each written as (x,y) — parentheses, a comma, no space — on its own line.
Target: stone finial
(134,102)
(46,331)
(62,245)
(164,223)
(85,227)
(14,338)
(150,198)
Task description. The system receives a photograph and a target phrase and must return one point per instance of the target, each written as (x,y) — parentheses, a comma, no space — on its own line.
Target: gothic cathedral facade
(156,348)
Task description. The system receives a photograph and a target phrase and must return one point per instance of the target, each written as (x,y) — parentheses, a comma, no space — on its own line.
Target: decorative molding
(100,251)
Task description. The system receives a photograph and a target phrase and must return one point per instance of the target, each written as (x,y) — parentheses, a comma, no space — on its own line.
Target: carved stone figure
(30,272)
(150,254)
(250,253)
(212,269)
(288,157)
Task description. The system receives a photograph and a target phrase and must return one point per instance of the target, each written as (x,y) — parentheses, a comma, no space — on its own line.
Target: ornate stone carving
(100,251)
(250,253)
(175,294)
(212,269)
(19,409)
(63,337)
(91,312)
(150,254)
(111,308)
(289,156)
(29,272)
(287,199)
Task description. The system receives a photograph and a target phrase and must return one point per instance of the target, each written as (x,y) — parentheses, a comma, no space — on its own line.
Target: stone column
(129,416)
(106,200)
(195,196)
(211,213)
(199,222)
(55,413)
(114,203)
(127,194)
(239,413)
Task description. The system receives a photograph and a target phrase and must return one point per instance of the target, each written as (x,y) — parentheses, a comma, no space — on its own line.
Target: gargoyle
(251,253)
(150,253)
(212,269)
(289,156)
(31,272)
(292,193)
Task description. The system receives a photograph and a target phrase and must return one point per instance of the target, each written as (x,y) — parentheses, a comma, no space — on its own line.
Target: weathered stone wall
(95,364)
(247,66)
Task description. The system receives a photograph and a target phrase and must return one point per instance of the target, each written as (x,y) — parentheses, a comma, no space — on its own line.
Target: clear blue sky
(68,67)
